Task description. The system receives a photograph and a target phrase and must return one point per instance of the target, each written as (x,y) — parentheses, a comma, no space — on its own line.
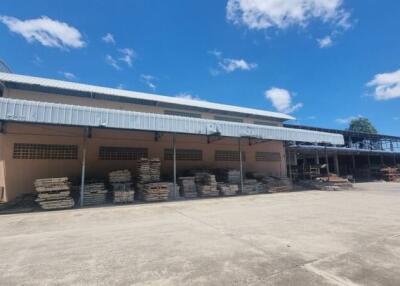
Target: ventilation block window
(45,151)
(268,156)
(224,118)
(184,154)
(122,153)
(222,155)
(182,113)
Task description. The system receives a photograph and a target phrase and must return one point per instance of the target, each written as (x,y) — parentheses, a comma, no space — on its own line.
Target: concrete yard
(301,238)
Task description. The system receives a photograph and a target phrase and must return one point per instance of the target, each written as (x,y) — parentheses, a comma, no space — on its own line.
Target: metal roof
(340,150)
(54,113)
(23,81)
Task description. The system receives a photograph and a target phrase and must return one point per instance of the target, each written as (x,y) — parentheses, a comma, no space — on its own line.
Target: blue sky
(322,61)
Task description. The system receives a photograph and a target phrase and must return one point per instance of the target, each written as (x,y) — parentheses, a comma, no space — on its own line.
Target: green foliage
(362,124)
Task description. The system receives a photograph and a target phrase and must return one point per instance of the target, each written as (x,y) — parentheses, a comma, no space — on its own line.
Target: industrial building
(362,156)
(53,128)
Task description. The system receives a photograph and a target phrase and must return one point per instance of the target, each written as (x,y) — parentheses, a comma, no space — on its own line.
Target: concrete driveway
(303,238)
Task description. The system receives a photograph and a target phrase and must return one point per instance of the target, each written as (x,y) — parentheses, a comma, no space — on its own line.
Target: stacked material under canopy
(252,186)
(122,187)
(153,192)
(148,170)
(229,175)
(226,189)
(274,184)
(206,184)
(390,174)
(53,193)
(187,187)
(95,193)
(120,176)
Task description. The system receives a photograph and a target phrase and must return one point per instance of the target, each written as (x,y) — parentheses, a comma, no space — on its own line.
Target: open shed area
(298,238)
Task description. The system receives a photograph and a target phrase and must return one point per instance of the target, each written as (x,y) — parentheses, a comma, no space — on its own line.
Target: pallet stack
(122,187)
(187,186)
(390,174)
(148,170)
(226,189)
(54,193)
(94,193)
(154,192)
(206,184)
(251,186)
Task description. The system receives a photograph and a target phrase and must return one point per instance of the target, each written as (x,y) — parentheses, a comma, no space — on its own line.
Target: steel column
(174,159)
(83,167)
(241,164)
(327,162)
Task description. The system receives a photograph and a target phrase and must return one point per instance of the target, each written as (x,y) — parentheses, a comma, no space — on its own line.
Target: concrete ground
(302,238)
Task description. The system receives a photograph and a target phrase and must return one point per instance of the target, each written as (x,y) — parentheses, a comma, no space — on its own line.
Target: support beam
(369,166)
(87,134)
(254,141)
(336,164)
(317,162)
(241,164)
(327,162)
(157,136)
(174,158)
(290,164)
(213,137)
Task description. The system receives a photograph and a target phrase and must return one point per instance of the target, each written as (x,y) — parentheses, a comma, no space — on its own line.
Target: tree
(362,124)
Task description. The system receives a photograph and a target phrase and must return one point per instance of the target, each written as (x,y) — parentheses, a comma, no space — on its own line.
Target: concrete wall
(17,175)
(47,97)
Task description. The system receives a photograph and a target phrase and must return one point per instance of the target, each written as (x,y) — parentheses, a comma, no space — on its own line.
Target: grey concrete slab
(302,238)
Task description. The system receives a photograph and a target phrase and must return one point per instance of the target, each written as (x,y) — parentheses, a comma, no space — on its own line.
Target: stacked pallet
(148,170)
(226,189)
(94,194)
(122,187)
(53,193)
(153,192)
(390,174)
(206,184)
(275,185)
(252,186)
(187,186)
(120,176)
(231,176)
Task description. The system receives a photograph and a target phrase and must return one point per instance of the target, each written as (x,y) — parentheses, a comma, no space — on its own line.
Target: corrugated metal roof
(64,85)
(54,113)
(339,150)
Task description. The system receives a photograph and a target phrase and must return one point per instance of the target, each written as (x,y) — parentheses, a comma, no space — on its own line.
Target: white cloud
(230,65)
(215,53)
(108,38)
(127,56)
(149,81)
(112,62)
(281,99)
(187,95)
(280,14)
(325,42)
(48,32)
(347,120)
(396,118)
(68,75)
(387,85)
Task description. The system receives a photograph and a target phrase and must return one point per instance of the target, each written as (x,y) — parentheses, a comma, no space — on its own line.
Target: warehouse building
(362,156)
(52,128)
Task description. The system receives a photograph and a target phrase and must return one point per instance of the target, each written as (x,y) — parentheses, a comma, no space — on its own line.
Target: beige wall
(19,174)
(40,96)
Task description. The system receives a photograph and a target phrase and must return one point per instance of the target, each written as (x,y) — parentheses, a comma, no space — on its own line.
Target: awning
(17,110)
